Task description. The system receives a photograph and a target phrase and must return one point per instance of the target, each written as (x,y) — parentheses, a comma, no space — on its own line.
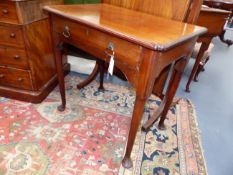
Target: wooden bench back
(181,10)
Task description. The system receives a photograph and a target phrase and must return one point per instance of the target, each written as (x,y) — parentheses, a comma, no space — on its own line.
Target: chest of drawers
(27,67)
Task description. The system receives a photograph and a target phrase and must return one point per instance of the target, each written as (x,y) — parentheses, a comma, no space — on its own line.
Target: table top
(150,31)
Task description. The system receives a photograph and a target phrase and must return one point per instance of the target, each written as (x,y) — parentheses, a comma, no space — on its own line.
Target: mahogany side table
(225,5)
(141,49)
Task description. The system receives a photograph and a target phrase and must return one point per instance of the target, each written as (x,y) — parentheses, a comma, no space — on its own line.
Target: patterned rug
(89,137)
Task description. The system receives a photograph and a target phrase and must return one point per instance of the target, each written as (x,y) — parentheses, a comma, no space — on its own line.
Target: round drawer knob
(5,11)
(1,76)
(16,57)
(12,35)
(20,79)
(217,4)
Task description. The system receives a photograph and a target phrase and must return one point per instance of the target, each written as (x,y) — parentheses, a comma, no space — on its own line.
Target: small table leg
(226,41)
(90,78)
(136,118)
(167,100)
(204,47)
(60,73)
(99,67)
(200,69)
(101,70)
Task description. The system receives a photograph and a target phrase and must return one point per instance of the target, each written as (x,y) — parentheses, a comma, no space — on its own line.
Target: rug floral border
(195,137)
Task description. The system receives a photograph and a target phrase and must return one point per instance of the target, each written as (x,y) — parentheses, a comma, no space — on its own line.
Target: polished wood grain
(103,30)
(13,57)
(15,78)
(173,9)
(26,56)
(188,14)
(41,60)
(30,95)
(190,17)
(12,36)
(24,12)
(81,32)
(181,10)
(30,11)
(225,5)
(8,12)
(213,20)
(106,18)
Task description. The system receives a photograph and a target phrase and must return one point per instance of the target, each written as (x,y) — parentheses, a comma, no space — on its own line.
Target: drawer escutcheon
(66,32)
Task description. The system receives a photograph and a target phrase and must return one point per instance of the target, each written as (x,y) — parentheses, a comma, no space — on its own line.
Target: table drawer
(13,57)
(97,42)
(8,12)
(11,36)
(15,78)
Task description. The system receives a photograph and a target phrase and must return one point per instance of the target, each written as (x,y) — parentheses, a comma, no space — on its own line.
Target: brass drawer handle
(66,32)
(5,11)
(16,57)
(2,76)
(12,35)
(20,79)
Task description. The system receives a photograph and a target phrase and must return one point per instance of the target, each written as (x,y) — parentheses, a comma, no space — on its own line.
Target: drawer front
(13,57)
(97,43)
(11,36)
(15,78)
(8,12)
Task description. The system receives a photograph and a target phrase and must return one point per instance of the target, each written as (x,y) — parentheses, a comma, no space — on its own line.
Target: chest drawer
(97,42)
(8,12)
(11,36)
(13,57)
(15,78)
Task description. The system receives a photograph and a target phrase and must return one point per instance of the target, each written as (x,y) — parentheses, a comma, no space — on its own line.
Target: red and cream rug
(89,137)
